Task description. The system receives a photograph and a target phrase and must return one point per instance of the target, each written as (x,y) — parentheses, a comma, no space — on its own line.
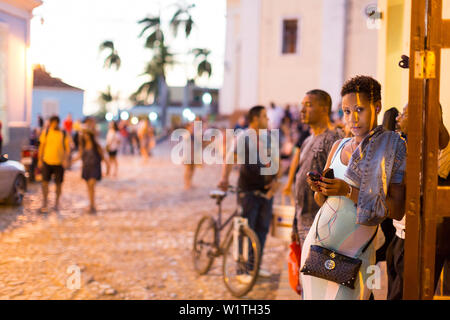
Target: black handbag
(332,266)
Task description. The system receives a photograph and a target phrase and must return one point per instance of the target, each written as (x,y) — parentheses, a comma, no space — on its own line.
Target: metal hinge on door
(425,65)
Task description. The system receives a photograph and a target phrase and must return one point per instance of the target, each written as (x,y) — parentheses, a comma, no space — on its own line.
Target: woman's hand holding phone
(313,180)
(333,187)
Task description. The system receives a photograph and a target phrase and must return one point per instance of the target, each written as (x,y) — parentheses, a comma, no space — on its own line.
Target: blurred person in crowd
(40,121)
(390,119)
(133,138)
(275,114)
(67,124)
(310,155)
(76,131)
(53,158)
(286,138)
(145,134)
(91,124)
(395,250)
(91,154)
(113,140)
(287,116)
(241,123)
(124,134)
(189,163)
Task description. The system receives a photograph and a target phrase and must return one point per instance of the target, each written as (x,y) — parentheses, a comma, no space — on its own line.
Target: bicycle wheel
(241,261)
(204,245)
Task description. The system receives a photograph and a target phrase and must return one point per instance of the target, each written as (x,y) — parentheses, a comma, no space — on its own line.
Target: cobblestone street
(138,246)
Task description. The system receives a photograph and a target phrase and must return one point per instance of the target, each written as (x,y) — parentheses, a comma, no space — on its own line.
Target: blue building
(51,96)
(184,105)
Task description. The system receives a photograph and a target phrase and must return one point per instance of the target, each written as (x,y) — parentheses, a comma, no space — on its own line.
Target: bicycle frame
(220,227)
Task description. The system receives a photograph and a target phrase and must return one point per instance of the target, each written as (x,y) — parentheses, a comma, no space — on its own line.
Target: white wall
(286,78)
(334,44)
(333,48)
(362,42)
(15,70)
(249,53)
(3,79)
(230,88)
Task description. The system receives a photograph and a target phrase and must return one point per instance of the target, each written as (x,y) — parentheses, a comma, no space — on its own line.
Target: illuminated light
(153,116)
(191,117)
(134,120)
(187,113)
(124,115)
(207,98)
(109,116)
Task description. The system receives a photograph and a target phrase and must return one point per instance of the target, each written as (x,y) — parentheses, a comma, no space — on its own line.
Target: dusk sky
(68,40)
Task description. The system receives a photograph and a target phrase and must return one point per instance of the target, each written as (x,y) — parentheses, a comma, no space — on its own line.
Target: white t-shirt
(399,227)
(113,140)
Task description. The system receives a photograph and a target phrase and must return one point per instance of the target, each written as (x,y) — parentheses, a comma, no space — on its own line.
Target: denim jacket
(379,160)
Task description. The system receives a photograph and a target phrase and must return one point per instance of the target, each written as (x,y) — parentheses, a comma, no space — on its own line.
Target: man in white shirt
(275,115)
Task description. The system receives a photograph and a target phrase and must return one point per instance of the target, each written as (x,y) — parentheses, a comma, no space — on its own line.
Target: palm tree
(104,98)
(113,58)
(155,35)
(182,17)
(156,86)
(204,66)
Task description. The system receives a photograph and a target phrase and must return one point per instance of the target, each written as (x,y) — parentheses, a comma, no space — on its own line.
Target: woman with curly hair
(367,187)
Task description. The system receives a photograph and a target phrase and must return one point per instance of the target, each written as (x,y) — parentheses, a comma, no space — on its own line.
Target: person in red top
(68,124)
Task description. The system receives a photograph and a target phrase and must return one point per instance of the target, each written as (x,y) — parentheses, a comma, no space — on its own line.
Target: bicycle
(240,248)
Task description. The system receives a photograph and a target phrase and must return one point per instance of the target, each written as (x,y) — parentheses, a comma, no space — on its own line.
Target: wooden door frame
(425,201)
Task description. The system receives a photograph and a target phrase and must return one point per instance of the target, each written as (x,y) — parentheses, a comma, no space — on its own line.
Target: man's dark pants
(395,261)
(258,211)
(394,266)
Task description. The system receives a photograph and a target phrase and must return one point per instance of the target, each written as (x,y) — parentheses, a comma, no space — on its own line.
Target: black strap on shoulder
(370,241)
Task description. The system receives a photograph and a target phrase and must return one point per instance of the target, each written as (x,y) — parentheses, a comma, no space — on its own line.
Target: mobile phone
(314,175)
(329,173)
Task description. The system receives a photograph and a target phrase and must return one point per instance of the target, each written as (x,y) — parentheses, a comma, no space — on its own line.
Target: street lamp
(153,116)
(207,98)
(124,115)
(109,116)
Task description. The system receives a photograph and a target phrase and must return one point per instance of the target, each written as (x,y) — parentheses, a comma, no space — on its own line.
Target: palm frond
(176,14)
(204,67)
(108,44)
(154,39)
(201,52)
(188,26)
(150,22)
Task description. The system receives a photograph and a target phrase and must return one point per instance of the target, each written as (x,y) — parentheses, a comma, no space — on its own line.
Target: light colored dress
(338,231)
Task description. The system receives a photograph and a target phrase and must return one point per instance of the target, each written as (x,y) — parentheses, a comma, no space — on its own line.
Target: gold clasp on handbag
(332,255)
(330,264)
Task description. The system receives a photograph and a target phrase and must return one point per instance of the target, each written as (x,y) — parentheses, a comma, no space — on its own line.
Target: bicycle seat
(217,194)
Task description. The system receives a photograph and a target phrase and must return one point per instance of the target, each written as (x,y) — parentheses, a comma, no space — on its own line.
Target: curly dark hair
(363,84)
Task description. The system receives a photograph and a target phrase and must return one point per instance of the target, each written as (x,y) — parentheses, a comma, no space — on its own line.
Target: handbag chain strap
(365,247)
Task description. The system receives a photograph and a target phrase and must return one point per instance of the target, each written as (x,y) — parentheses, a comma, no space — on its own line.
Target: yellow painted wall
(393,42)
(394,50)
(445,75)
